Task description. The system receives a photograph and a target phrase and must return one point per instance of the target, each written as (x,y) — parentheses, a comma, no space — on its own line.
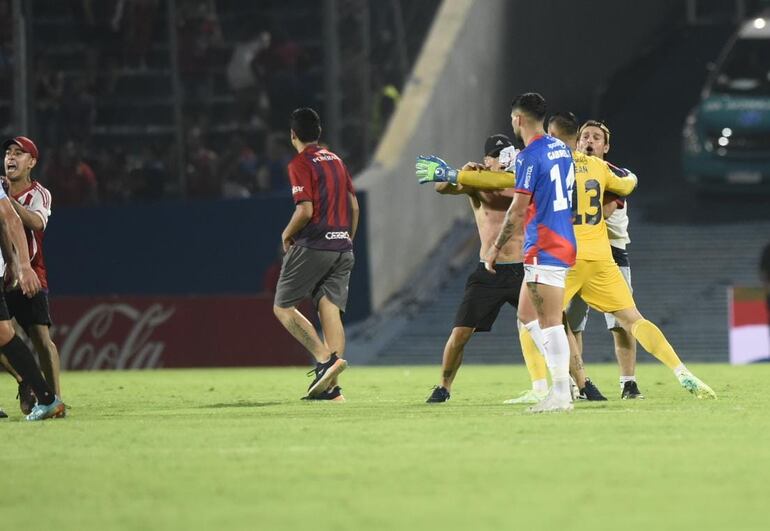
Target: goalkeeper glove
(432,169)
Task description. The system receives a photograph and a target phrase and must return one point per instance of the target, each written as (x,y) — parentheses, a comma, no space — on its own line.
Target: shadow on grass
(240,404)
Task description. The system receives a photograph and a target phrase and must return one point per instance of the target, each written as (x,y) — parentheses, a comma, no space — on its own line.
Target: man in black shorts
(485,292)
(32,203)
(318,242)
(16,255)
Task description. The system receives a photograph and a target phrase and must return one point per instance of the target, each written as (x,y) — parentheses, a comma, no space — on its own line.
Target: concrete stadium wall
(477,56)
(448,105)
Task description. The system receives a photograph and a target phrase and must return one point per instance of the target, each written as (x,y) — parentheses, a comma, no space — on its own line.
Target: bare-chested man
(485,292)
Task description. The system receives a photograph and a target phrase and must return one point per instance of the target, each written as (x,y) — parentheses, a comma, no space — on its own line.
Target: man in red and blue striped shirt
(318,242)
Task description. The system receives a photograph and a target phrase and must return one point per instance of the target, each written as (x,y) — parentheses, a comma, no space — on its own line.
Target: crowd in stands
(102,102)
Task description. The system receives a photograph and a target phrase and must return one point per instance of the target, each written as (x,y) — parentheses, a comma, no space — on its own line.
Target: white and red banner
(749,328)
(117,332)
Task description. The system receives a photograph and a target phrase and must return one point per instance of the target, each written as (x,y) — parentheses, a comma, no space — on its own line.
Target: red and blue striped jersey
(318,175)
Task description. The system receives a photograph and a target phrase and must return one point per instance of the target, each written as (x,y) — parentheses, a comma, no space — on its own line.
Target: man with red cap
(32,203)
(21,155)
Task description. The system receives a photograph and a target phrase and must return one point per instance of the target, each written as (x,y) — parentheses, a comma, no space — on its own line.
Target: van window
(746,69)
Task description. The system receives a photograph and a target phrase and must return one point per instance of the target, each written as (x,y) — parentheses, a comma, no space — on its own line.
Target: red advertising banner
(749,326)
(116,332)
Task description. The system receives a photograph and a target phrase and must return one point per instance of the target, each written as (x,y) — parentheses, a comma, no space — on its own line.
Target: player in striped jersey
(318,242)
(20,157)
(32,203)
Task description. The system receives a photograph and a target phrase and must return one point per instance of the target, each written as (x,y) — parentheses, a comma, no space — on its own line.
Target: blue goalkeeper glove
(432,169)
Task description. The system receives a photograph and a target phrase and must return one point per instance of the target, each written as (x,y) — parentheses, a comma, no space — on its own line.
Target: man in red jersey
(318,242)
(32,203)
(15,252)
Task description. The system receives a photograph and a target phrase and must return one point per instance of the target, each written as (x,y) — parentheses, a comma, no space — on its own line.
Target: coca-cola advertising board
(128,332)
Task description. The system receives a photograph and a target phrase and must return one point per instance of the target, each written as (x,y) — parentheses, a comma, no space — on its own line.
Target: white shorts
(545,274)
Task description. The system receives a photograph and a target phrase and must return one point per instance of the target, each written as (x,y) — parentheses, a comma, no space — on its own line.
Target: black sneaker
(3,414)
(335,395)
(324,374)
(27,398)
(631,391)
(439,394)
(591,392)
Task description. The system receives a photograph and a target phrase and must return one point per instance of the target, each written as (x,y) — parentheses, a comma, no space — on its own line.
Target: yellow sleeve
(486,180)
(622,186)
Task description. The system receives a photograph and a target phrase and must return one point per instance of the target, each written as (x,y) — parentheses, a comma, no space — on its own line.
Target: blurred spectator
(116,186)
(150,176)
(6,45)
(284,89)
(198,34)
(78,109)
(241,169)
(271,175)
(49,90)
(139,17)
(246,78)
(203,179)
(71,180)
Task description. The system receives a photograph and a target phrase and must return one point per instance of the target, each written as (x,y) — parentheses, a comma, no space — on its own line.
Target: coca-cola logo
(112,336)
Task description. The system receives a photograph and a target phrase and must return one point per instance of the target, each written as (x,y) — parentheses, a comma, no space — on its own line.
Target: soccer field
(236,449)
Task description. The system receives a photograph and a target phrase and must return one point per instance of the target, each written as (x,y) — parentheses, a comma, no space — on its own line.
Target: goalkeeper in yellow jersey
(595,277)
(486,293)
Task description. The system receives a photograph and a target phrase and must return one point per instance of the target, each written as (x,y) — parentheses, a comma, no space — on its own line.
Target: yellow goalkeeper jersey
(593,177)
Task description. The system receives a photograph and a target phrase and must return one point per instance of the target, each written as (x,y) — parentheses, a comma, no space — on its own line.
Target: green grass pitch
(236,449)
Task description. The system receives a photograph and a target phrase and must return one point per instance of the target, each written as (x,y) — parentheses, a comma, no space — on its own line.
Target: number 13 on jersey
(563,201)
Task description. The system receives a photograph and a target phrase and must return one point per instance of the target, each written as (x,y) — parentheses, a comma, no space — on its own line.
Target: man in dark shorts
(318,242)
(485,292)
(21,274)
(32,203)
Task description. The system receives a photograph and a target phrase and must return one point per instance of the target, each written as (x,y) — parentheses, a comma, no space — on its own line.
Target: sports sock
(533,356)
(23,362)
(653,341)
(540,386)
(557,357)
(624,379)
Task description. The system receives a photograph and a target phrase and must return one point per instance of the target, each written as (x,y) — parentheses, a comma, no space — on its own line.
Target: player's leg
(451,360)
(330,297)
(625,353)
(485,293)
(303,331)
(545,292)
(302,273)
(575,320)
(33,318)
(576,317)
(531,350)
(625,344)
(654,342)
(7,366)
(48,354)
(23,362)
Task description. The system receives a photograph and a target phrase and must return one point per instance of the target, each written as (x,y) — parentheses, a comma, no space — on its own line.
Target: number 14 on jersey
(562,201)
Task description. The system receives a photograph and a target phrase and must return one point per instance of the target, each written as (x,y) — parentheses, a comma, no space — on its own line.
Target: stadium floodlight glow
(723,141)
(727,132)
(760,23)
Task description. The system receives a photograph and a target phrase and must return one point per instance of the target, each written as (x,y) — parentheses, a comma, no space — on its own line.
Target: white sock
(557,358)
(533,327)
(540,386)
(624,379)
(679,369)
